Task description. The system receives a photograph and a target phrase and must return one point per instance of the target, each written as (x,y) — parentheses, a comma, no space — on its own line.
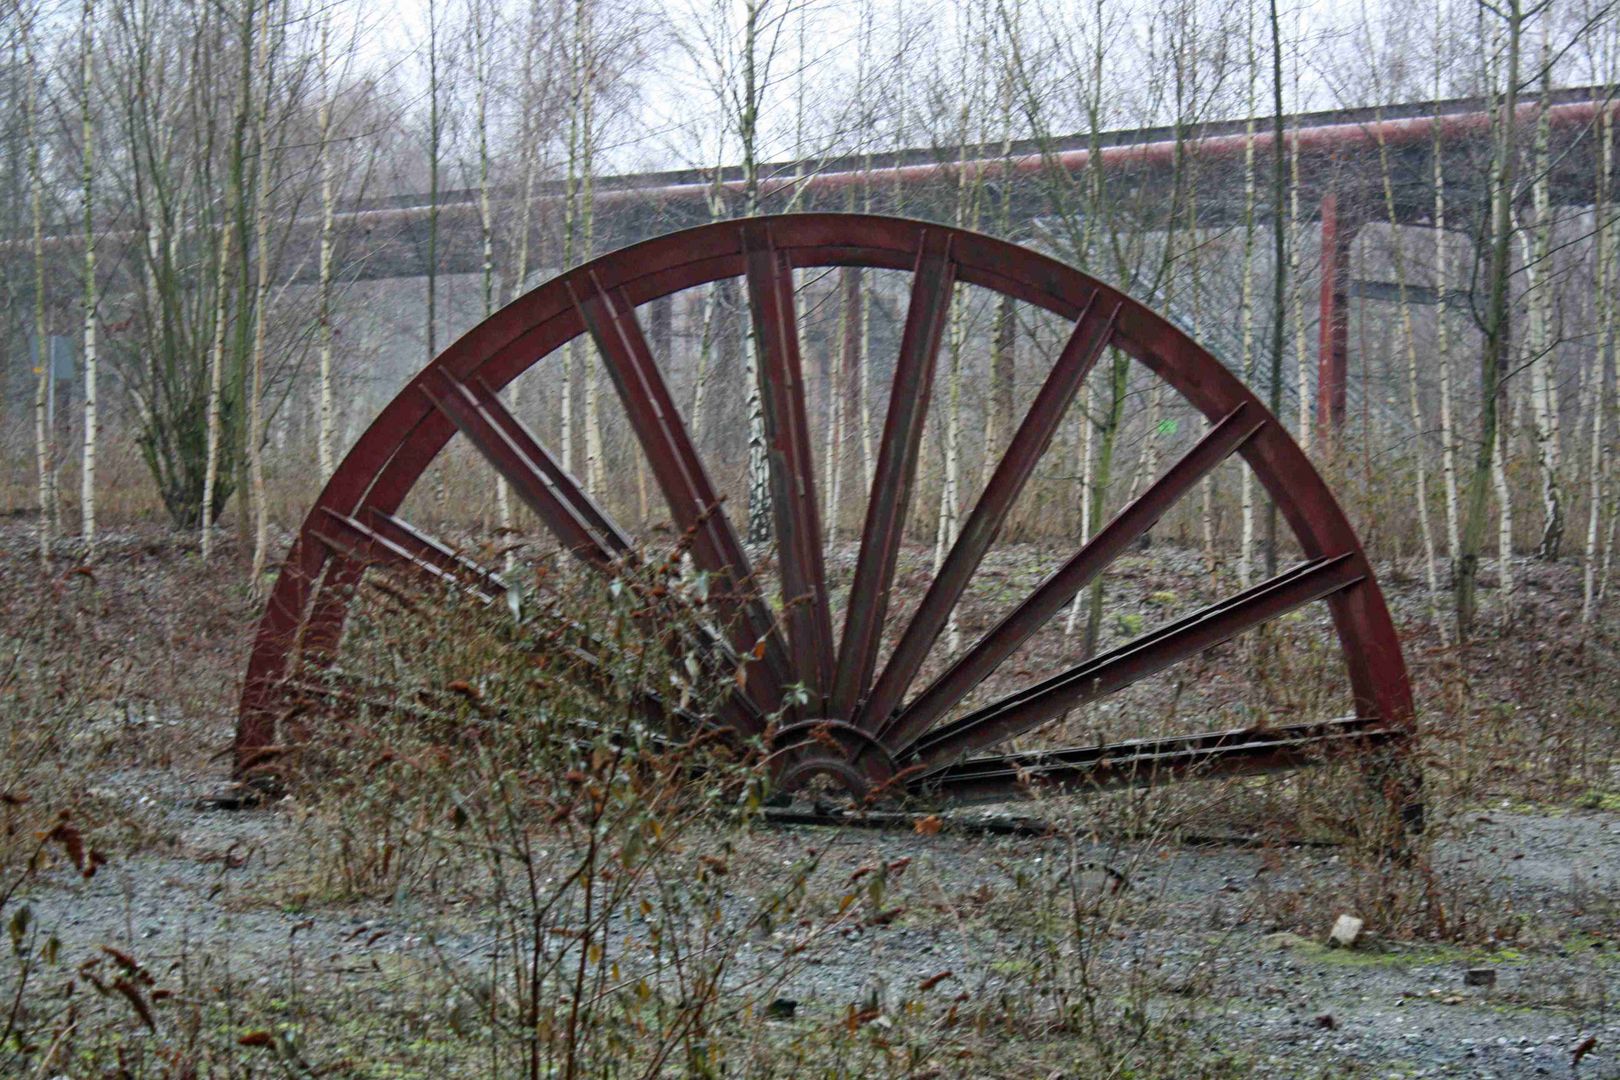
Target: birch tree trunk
(705,357)
(860,373)
(1302,384)
(1003,340)
(92,419)
(520,268)
(44,437)
(1496,325)
(486,224)
(1246,319)
(216,380)
(1442,348)
(838,399)
(1538,339)
(1504,523)
(435,141)
(1087,432)
(753,88)
(1206,487)
(576,249)
(328,217)
(434,133)
(1279,260)
(586,74)
(1003,370)
(950,484)
(261,239)
(1409,340)
(1603,287)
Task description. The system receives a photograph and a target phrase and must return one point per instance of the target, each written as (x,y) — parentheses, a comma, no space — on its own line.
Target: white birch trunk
(1603,286)
(1302,383)
(1504,522)
(1246,317)
(328,217)
(92,419)
(261,239)
(216,379)
(520,271)
(565,409)
(587,210)
(700,382)
(1543,376)
(486,223)
(835,413)
(949,494)
(1087,433)
(44,450)
(862,373)
(1409,339)
(1442,330)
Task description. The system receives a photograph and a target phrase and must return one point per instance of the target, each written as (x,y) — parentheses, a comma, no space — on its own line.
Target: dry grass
(600,857)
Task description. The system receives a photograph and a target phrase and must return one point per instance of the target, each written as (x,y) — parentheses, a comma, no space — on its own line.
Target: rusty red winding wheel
(880,722)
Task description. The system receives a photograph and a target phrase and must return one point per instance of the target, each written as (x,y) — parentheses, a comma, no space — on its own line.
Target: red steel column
(1333,347)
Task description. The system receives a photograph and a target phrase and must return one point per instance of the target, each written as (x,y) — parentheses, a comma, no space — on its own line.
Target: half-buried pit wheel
(870,723)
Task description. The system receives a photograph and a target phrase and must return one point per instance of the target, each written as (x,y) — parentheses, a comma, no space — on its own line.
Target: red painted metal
(1134,661)
(390,541)
(1140,762)
(680,473)
(886,508)
(1333,348)
(542,483)
(1311,137)
(889,746)
(1126,527)
(793,489)
(1086,343)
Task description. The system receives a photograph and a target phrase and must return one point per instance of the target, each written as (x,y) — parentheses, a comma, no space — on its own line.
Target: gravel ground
(1206,925)
(207,886)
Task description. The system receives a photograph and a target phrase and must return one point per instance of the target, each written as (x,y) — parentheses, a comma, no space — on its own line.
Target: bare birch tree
(1603,287)
(44,436)
(261,304)
(92,417)
(324,435)
(1494,316)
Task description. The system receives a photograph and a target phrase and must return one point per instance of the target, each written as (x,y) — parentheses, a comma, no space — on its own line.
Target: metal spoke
(1091,334)
(971,668)
(1139,762)
(539,480)
(385,540)
(1138,659)
(679,471)
(931,288)
(793,492)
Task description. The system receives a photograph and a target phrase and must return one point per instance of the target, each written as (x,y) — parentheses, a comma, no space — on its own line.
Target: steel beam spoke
(1086,343)
(1139,762)
(539,480)
(973,666)
(385,540)
(693,502)
(1135,660)
(931,289)
(787,433)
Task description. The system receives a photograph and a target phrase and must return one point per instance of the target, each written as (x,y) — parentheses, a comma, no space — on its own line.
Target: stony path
(207,885)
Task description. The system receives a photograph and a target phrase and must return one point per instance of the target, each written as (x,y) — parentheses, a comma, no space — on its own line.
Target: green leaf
(19,926)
